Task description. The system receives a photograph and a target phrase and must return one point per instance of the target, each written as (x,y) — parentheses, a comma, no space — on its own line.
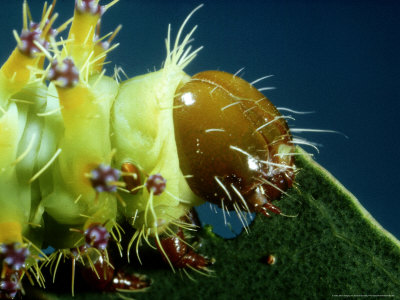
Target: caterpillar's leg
(106,278)
(177,250)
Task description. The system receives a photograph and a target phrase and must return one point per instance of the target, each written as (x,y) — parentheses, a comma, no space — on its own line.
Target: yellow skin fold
(15,74)
(19,138)
(84,145)
(11,213)
(144,135)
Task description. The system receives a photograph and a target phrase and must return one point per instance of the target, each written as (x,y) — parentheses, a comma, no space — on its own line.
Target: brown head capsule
(233,141)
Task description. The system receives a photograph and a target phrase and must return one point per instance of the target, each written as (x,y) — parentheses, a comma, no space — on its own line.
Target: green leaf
(332,246)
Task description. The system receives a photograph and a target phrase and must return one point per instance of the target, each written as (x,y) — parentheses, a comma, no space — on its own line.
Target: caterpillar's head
(233,142)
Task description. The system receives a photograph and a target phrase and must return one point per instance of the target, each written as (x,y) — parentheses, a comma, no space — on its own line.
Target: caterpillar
(81,151)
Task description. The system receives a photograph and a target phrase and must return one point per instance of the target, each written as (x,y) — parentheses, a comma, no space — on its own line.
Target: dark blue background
(337,58)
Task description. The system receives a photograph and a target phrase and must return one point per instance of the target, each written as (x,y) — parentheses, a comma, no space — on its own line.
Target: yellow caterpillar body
(81,151)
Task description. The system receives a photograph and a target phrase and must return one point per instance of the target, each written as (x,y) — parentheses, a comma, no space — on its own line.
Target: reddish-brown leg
(270,207)
(112,280)
(180,254)
(105,277)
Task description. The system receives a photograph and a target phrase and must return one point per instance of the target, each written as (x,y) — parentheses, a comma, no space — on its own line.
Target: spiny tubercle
(103,178)
(89,6)
(97,236)
(156,184)
(14,255)
(28,39)
(64,72)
